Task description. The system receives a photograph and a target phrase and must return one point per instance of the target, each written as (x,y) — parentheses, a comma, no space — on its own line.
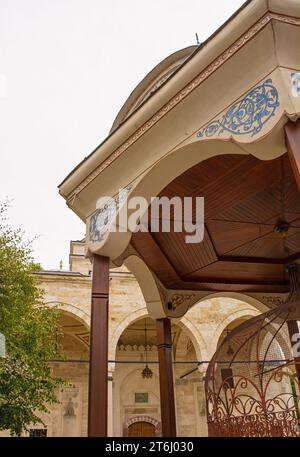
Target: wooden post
(97,413)
(292,130)
(167,402)
(293,329)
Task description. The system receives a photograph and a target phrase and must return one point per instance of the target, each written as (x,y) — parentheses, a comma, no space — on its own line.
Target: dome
(151,83)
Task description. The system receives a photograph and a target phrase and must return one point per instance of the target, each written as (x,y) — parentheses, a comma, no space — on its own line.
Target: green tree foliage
(31,330)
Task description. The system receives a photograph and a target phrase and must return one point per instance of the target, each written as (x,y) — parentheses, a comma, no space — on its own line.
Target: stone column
(110,407)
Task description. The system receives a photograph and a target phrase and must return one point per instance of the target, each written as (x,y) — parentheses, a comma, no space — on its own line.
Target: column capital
(111,368)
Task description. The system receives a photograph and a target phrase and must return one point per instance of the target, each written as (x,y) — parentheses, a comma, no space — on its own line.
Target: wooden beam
(146,245)
(97,413)
(292,131)
(167,401)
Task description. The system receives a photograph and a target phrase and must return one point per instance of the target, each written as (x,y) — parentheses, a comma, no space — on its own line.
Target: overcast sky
(66,68)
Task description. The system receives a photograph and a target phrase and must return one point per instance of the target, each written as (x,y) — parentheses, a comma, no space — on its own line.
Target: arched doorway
(144,429)
(137,398)
(142,426)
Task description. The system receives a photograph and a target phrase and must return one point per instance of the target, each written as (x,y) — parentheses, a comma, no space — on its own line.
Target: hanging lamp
(147,373)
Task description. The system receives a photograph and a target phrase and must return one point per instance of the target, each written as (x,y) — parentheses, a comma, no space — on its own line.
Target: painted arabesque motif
(248,115)
(103,217)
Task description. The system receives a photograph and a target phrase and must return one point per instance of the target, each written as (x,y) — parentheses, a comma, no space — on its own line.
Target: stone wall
(201,329)
(203,324)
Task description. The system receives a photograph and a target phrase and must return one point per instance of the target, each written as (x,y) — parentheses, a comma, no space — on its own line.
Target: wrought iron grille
(252,381)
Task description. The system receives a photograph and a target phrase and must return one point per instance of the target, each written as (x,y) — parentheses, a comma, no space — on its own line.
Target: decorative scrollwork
(253,389)
(103,217)
(178,299)
(248,115)
(295,77)
(257,425)
(273,300)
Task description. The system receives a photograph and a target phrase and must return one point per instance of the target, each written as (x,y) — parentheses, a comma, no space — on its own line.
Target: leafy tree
(31,330)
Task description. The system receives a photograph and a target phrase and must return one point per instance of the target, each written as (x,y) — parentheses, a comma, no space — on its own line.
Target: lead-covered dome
(153,81)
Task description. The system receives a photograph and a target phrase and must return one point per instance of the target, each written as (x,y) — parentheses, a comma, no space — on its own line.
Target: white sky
(66,67)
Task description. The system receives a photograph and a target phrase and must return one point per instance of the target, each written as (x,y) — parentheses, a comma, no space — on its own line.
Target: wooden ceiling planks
(244,199)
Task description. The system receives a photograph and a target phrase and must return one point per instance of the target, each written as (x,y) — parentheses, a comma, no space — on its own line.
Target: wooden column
(97,414)
(294,328)
(167,402)
(292,130)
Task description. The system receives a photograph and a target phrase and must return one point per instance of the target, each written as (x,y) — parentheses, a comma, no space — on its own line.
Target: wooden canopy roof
(212,123)
(245,246)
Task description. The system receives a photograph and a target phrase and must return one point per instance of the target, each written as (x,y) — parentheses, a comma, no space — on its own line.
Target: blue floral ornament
(248,115)
(295,84)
